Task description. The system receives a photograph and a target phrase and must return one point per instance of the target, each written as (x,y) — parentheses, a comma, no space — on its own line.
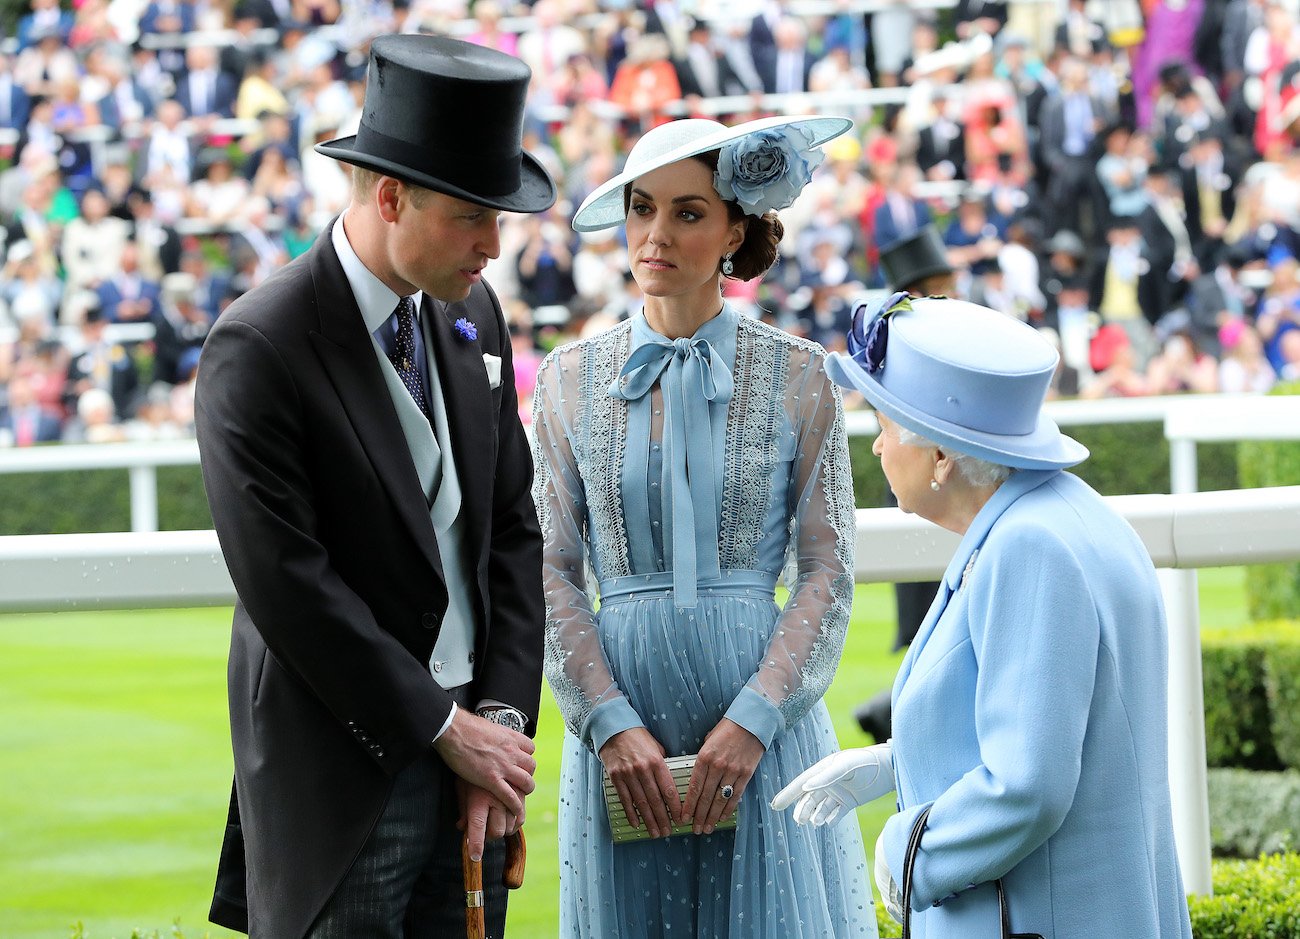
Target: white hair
(977,472)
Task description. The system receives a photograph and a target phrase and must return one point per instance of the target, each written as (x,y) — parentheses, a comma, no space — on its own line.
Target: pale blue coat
(1030,714)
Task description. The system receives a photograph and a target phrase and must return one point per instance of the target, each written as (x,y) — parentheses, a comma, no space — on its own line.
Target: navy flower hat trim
(869,335)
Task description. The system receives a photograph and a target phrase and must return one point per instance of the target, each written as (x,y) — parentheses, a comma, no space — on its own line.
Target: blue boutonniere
(466,329)
(869,336)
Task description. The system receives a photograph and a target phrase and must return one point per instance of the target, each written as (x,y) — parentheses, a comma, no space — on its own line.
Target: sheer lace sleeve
(809,634)
(594,708)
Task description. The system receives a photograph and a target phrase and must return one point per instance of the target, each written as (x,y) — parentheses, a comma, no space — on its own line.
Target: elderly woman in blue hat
(1029,732)
(681,457)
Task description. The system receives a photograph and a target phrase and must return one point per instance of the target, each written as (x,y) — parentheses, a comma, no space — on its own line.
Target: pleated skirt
(767,879)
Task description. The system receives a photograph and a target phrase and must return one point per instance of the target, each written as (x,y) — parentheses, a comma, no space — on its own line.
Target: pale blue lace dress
(687,630)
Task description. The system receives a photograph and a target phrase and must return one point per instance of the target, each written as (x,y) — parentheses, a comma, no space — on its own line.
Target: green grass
(115,761)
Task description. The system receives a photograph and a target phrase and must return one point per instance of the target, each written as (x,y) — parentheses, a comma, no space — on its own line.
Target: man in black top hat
(918,264)
(370,480)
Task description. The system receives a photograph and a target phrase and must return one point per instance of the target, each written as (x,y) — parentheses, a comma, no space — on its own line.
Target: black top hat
(448,115)
(914,257)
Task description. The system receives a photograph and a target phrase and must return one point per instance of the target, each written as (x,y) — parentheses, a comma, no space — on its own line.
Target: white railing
(1216,416)
(140,460)
(1181,532)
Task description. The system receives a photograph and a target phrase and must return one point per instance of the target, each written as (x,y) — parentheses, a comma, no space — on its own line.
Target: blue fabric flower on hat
(466,329)
(766,170)
(869,335)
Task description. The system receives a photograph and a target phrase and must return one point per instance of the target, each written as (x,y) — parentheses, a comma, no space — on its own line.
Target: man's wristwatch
(505,716)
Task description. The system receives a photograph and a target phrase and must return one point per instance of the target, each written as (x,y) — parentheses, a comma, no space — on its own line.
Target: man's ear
(389,196)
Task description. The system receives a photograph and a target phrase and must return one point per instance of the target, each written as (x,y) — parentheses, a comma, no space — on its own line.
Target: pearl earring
(727,266)
(935,485)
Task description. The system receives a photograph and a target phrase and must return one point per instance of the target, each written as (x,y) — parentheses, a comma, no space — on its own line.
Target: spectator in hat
(259,92)
(219,195)
(101,363)
(1116,368)
(45,19)
(1122,171)
(24,277)
(708,69)
(1243,367)
(1217,296)
(181,327)
(1209,177)
(941,142)
(45,63)
(1121,288)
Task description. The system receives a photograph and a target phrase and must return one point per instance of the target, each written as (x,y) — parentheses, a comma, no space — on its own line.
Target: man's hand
(496,760)
(482,817)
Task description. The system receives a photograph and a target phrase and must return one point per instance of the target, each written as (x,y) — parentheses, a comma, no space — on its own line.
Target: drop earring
(935,485)
(727,266)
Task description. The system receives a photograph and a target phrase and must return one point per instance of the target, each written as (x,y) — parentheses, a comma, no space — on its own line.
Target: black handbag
(909,862)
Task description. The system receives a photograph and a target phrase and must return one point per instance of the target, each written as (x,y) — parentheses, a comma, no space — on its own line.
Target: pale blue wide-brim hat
(959,374)
(677,140)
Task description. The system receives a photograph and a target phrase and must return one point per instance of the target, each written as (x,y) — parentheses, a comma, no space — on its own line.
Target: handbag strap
(909,862)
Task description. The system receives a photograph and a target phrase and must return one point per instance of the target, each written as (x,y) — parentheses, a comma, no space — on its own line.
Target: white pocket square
(493,365)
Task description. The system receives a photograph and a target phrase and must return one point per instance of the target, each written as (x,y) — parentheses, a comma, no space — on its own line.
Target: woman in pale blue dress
(683,458)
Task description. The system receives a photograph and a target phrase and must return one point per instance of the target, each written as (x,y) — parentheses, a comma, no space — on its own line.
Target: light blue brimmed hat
(959,374)
(785,143)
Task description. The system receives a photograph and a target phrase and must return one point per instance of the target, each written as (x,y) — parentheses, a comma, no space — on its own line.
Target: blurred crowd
(1122,174)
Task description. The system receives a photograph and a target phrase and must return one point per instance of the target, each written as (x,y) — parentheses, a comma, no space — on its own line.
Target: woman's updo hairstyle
(757,253)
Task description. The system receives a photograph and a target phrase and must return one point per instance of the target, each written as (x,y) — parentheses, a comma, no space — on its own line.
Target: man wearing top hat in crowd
(369,480)
(917,264)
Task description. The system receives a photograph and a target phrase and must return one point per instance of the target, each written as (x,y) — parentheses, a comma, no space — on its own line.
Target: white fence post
(1188,787)
(144,498)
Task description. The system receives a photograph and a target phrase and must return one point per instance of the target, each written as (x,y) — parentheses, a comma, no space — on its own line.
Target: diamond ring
(727,791)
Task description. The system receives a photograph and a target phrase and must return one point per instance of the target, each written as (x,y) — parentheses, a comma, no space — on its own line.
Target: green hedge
(1251,687)
(1257,899)
(1282,682)
(1252,900)
(1272,590)
(1254,812)
(1238,728)
(1125,459)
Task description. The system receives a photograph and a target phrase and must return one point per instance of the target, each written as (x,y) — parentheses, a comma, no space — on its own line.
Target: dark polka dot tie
(403,354)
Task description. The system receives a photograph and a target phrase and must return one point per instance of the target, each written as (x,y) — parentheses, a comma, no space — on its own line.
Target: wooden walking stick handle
(473,874)
(516,855)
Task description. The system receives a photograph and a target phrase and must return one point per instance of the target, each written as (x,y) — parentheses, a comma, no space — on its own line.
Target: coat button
(429,620)
(437,666)
(471,658)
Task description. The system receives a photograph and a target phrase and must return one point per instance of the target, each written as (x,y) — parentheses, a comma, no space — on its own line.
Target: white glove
(889,891)
(841,781)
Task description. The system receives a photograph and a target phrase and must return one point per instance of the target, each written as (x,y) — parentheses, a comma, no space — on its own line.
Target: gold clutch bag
(621,829)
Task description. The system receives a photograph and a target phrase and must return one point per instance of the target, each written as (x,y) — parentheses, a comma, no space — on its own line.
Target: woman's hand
(728,758)
(838,784)
(635,762)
